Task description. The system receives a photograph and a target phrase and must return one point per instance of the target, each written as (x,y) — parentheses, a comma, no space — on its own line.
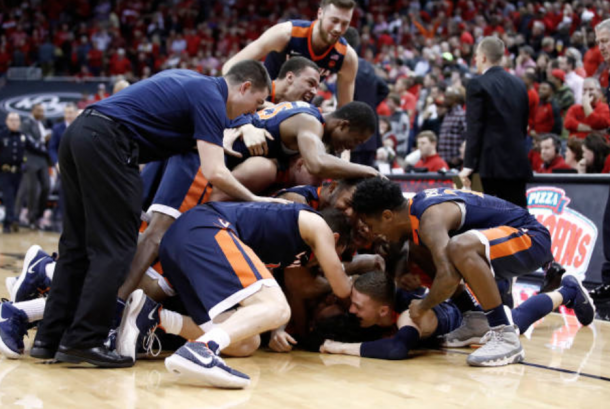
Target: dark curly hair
(375,195)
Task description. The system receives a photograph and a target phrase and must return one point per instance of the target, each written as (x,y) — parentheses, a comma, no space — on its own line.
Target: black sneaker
(601,293)
(552,277)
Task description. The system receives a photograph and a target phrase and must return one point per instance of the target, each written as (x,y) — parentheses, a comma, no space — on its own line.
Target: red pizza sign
(573,235)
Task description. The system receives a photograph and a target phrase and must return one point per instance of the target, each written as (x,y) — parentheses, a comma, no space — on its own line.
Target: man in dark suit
(35,182)
(496,121)
(59,128)
(371,90)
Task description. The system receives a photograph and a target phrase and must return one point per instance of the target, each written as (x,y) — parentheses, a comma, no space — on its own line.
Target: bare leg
(467,253)
(256,173)
(263,311)
(146,253)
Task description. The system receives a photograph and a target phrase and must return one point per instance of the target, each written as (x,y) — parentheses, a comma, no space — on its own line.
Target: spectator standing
(563,94)
(548,116)
(453,127)
(400,124)
(36,183)
(372,90)
(12,153)
(572,80)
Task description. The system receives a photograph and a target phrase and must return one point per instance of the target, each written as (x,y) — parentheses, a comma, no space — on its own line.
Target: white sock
(161,282)
(34,309)
(170,321)
(50,269)
(218,335)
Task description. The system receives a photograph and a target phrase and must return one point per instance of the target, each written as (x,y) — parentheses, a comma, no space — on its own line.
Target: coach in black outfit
(372,90)
(496,123)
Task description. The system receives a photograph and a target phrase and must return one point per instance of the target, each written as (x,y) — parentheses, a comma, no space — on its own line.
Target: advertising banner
(20,96)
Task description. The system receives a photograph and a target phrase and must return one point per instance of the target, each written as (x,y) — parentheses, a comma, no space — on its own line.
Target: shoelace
(148,343)
(491,337)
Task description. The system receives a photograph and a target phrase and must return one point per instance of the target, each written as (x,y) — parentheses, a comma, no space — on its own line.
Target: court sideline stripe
(568,371)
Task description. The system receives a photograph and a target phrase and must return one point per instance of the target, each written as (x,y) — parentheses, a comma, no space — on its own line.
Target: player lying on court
(471,236)
(303,284)
(375,300)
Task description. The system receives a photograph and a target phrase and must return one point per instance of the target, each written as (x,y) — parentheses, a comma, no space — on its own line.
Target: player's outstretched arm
(320,238)
(317,161)
(215,171)
(346,78)
(274,39)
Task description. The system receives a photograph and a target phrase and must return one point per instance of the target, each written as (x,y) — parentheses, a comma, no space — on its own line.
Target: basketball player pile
(254,233)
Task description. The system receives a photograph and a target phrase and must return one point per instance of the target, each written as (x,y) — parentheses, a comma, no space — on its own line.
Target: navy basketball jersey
(271,119)
(271,230)
(329,61)
(482,211)
(309,192)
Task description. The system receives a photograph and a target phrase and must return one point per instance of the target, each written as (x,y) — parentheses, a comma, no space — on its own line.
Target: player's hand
(263,199)
(415,311)
(229,137)
(255,140)
(331,347)
(369,262)
(409,281)
(281,341)
(464,177)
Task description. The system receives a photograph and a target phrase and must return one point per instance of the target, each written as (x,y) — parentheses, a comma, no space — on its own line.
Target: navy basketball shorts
(513,252)
(182,186)
(209,267)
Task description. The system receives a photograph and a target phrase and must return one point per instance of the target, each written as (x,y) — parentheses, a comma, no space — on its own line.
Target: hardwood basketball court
(565,366)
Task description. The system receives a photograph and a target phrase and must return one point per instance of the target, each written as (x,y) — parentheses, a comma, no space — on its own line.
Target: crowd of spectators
(423,49)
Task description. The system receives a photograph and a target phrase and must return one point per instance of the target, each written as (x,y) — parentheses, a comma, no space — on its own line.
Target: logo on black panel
(52,102)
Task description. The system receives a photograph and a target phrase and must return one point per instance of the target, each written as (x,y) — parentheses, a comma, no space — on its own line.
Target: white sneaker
(502,347)
(473,328)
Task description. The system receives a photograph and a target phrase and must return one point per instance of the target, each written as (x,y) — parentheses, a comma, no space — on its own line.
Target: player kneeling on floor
(214,255)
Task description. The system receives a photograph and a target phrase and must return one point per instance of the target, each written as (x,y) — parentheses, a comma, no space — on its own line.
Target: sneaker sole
(193,374)
(585,293)
(10,283)
(517,357)
(7,352)
(29,256)
(71,359)
(461,344)
(128,330)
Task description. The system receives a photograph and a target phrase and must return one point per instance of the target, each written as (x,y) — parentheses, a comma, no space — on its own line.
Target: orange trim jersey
(516,243)
(300,44)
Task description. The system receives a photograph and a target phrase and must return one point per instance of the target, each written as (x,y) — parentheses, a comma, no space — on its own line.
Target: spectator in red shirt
(119,64)
(593,57)
(595,152)
(101,93)
(426,143)
(550,148)
(592,115)
(548,116)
